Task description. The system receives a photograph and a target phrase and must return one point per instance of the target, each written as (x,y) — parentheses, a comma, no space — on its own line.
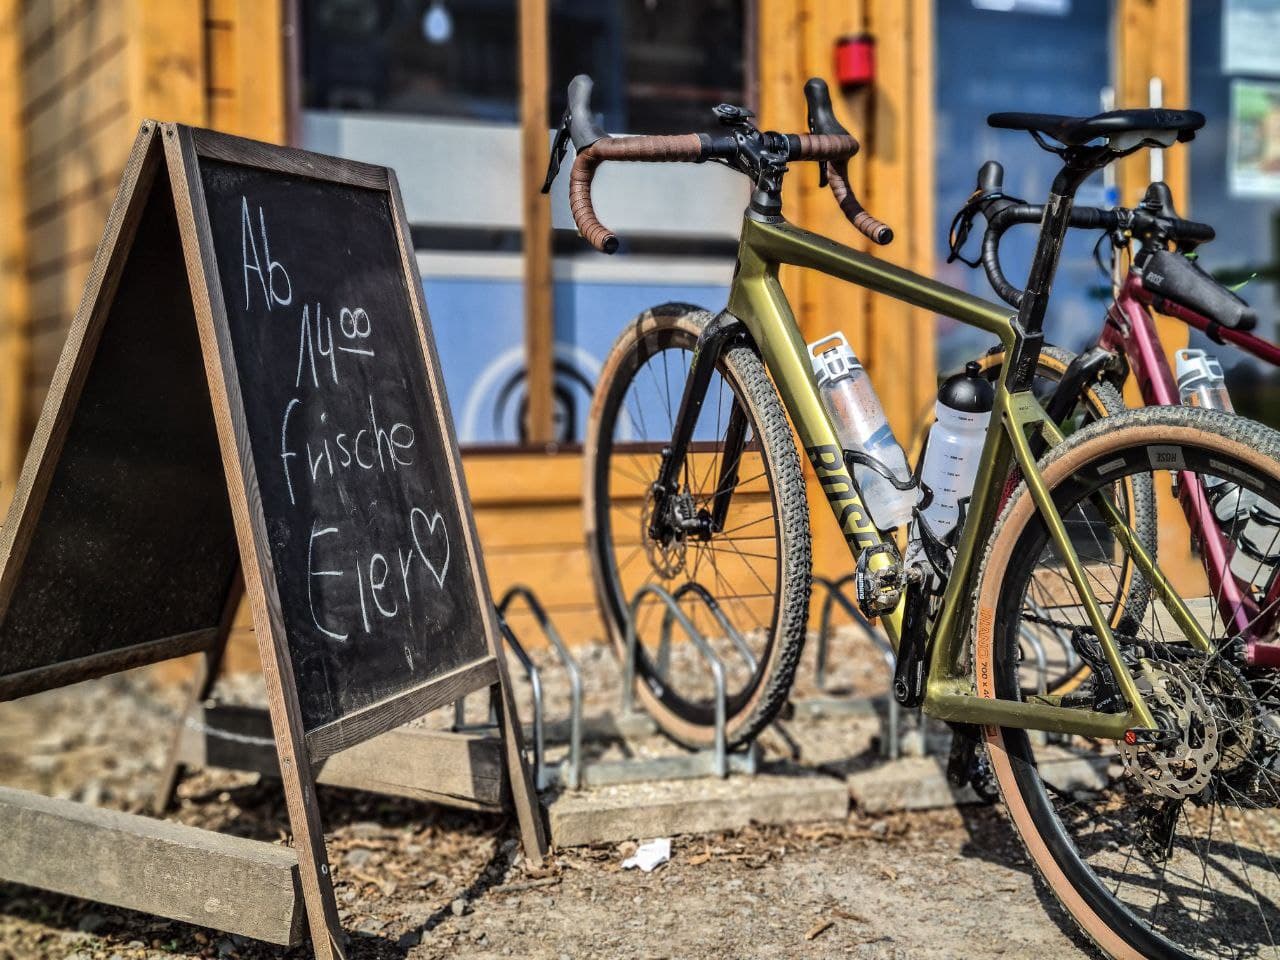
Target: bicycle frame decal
(837,484)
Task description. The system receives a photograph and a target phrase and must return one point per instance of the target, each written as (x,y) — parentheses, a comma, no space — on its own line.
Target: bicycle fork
(670,517)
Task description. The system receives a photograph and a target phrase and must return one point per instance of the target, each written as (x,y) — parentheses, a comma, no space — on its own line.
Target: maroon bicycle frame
(1130,331)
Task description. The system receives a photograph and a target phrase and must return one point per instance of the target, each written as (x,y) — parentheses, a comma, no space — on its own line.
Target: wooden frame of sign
(144,497)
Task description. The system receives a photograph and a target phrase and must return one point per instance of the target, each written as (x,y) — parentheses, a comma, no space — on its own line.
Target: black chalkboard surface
(354,471)
(120,549)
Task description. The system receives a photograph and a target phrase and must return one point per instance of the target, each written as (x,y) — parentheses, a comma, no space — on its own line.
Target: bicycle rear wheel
(755,565)
(1171,849)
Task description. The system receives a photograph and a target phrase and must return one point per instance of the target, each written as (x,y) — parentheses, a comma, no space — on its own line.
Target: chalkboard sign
(353,464)
(250,390)
(119,549)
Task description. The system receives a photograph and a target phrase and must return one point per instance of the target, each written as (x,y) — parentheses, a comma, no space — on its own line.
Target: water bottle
(861,426)
(954,451)
(1253,526)
(1257,551)
(1201,384)
(1200,381)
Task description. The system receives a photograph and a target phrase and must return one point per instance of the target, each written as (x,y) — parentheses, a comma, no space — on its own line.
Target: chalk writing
(355,479)
(317,450)
(273,272)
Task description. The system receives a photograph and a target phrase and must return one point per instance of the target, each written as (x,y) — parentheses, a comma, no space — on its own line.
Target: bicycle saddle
(1126,128)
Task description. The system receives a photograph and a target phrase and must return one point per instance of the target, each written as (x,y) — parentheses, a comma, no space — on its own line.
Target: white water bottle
(1200,381)
(1201,384)
(954,451)
(1253,526)
(861,426)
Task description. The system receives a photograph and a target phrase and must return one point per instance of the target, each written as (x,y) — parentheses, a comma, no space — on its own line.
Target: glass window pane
(988,60)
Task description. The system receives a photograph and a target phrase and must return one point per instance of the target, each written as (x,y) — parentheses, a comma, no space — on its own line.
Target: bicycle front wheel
(1167,849)
(739,570)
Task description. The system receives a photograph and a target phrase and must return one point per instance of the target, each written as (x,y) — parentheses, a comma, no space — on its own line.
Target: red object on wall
(856,60)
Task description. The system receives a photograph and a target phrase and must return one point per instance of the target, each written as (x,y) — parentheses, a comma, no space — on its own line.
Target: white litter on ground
(650,855)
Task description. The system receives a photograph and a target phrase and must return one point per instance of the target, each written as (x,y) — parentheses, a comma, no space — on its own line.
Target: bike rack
(836,595)
(576,772)
(572,776)
(673,614)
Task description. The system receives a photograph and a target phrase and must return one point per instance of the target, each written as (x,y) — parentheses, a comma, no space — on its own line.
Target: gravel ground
(417,881)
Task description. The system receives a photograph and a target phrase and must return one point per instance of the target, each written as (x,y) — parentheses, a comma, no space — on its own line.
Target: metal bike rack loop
(698,590)
(836,595)
(674,613)
(576,771)
(573,772)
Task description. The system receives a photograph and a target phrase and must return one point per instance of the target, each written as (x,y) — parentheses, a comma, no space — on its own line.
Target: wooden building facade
(76,76)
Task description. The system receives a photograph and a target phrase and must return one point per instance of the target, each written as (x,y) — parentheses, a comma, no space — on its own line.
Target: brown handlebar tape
(826,146)
(855,212)
(687,147)
(834,149)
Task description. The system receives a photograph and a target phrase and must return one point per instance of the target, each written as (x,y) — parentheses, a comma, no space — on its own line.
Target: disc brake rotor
(667,556)
(1183,763)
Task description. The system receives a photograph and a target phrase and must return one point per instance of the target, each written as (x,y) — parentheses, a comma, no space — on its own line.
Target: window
(659,65)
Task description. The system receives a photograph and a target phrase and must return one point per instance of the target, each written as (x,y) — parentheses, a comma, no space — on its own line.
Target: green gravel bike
(1148,796)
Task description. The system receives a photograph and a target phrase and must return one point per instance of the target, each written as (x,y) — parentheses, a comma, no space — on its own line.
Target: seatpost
(1080,163)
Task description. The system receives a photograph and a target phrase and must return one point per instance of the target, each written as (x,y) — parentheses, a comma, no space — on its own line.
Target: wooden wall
(87,72)
(893,176)
(76,79)
(14,316)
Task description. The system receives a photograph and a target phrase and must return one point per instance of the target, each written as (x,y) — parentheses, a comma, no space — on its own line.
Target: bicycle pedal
(879,590)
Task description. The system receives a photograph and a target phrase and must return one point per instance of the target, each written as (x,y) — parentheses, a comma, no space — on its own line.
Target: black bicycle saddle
(1141,125)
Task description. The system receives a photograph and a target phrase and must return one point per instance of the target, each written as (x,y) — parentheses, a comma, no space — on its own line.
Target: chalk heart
(431,540)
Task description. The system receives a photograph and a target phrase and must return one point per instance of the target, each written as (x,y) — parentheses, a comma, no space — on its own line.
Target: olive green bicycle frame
(758,301)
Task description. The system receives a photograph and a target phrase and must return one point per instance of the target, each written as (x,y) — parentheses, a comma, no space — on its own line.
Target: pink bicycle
(1162,275)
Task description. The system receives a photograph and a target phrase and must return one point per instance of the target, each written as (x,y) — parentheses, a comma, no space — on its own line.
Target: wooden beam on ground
(436,766)
(241,886)
(636,811)
(539,312)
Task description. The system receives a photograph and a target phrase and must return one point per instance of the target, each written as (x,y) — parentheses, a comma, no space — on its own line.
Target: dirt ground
(416,881)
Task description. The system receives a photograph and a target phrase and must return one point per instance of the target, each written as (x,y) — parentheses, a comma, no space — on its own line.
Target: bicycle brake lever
(559,147)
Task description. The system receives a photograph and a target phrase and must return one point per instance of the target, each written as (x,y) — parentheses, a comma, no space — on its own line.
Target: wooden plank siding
(75,129)
(14,312)
(89,71)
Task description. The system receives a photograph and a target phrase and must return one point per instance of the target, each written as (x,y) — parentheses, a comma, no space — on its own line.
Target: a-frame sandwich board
(251,385)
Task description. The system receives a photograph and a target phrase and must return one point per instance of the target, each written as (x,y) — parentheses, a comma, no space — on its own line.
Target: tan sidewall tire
(996,562)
